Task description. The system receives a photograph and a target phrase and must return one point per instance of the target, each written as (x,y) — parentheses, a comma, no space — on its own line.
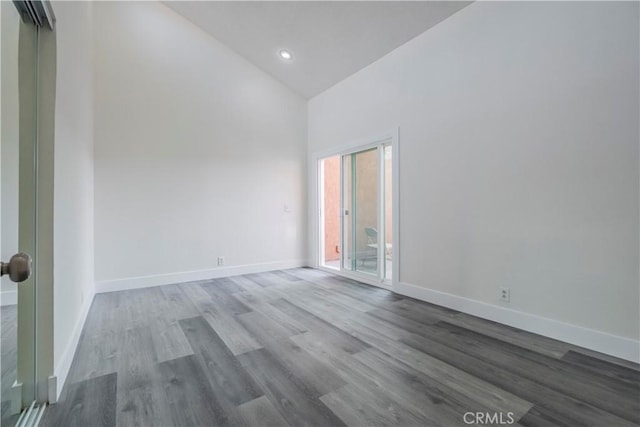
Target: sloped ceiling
(330,40)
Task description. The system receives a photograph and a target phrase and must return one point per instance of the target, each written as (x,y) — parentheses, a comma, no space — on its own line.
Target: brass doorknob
(18,268)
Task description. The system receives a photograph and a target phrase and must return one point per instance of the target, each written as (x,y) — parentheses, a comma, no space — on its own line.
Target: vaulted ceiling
(329,40)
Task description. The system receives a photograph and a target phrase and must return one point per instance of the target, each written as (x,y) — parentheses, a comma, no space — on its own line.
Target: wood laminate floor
(8,361)
(306,348)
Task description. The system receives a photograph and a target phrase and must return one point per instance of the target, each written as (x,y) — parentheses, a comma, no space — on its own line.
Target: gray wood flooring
(8,361)
(303,347)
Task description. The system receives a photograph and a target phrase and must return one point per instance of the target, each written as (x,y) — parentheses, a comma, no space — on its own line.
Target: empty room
(320,213)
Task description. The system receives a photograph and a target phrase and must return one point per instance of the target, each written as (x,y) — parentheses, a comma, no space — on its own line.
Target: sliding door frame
(381,140)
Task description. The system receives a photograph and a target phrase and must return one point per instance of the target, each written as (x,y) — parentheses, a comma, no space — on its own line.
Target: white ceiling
(330,40)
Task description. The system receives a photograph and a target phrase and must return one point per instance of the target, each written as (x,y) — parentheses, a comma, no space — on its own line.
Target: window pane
(365,211)
(330,255)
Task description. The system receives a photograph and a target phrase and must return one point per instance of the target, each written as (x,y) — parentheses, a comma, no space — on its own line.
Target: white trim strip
(624,348)
(62,369)
(395,207)
(52,381)
(358,145)
(190,276)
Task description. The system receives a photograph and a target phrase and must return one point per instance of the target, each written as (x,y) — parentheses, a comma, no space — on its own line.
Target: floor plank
(222,300)
(266,308)
(442,404)
(140,400)
(598,390)
(232,333)
(325,329)
(260,412)
(96,355)
(544,397)
(314,378)
(605,357)
(287,276)
(382,385)
(87,403)
(260,279)
(190,397)
(178,303)
(221,367)
(598,366)
(169,341)
(356,409)
(8,360)
(285,391)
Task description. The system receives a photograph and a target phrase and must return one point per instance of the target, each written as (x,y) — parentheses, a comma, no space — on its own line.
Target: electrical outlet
(505,294)
(220,260)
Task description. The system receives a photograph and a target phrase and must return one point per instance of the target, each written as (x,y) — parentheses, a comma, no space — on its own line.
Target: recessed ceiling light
(285,54)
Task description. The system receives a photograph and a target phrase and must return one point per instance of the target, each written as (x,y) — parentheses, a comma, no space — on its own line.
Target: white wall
(9,145)
(519,156)
(196,153)
(73,191)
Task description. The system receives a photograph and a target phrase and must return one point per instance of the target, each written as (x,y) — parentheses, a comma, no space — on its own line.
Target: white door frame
(390,137)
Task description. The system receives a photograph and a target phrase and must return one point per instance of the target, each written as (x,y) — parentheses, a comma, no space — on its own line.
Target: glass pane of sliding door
(348,260)
(361,213)
(329,178)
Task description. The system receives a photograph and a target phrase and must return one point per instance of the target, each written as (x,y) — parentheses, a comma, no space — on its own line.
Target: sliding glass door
(355,202)
(361,211)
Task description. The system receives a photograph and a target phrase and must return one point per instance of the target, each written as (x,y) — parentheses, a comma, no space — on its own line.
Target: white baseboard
(624,348)
(191,276)
(52,384)
(8,298)
(373,281)
(62,368)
